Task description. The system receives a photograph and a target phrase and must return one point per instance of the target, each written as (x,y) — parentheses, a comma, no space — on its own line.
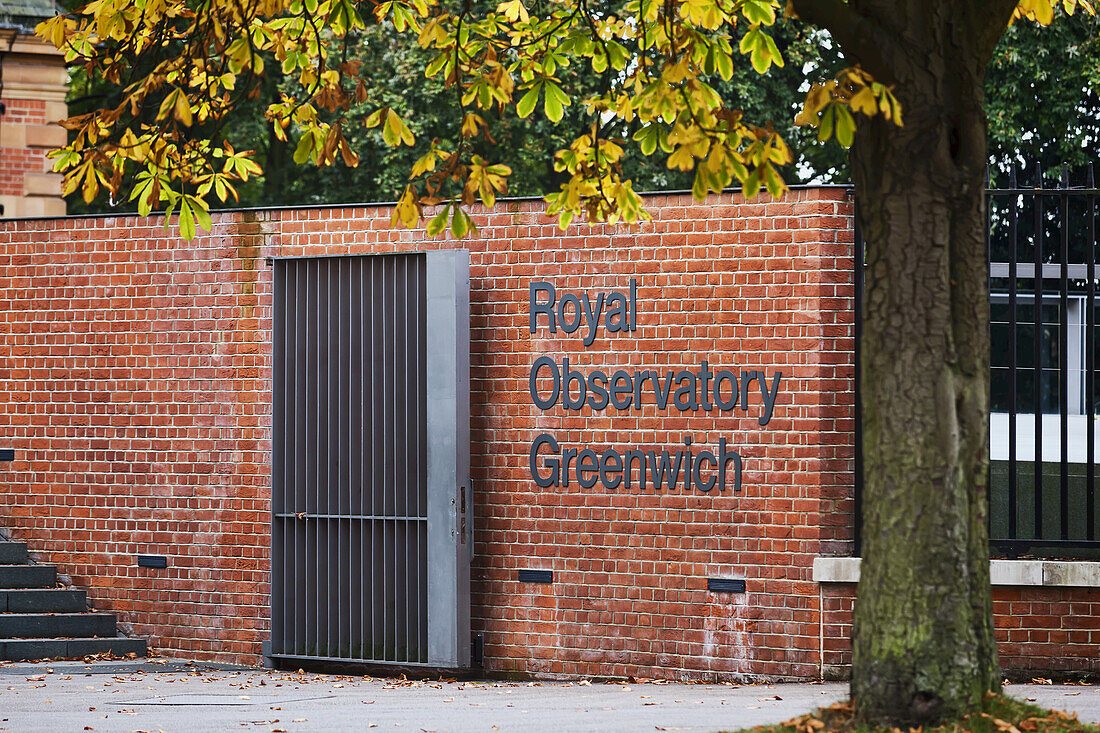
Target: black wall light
(725,585)
(536,576)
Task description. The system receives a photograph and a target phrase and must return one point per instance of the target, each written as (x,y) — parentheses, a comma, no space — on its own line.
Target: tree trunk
(923,635)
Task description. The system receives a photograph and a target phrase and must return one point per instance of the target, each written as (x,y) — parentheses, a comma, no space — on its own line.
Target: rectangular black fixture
(152,561)
(7,454)
(536,576)
(725,585)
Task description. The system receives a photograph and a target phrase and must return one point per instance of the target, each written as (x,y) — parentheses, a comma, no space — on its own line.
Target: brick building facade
(33,89)
(138,401)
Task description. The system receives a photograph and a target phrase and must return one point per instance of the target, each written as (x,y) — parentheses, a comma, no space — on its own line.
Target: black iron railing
(1043,371)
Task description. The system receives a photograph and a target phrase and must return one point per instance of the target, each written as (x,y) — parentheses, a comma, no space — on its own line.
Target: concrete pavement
(169,695)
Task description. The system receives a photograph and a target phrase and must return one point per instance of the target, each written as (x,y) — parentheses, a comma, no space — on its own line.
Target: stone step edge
(59,647)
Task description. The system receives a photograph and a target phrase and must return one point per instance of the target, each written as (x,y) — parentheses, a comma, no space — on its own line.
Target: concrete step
(28,576)
(13,553)
(43,600)
(23,649)
(53,625)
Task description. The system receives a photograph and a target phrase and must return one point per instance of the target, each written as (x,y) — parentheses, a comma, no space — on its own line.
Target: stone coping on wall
(1049,573)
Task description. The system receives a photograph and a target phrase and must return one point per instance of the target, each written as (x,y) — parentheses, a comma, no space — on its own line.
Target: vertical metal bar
(395,425)
(1012,407)
(278,452)
(346,391)
(302,449)
(364,446)
(421,391)
(1038,366)
(857,508)
(412,524)
(379,427)
(290,424)
(344,366)
(290,561)
(400,354)
(1063,357)
(308,575)
(322,451)
(354,458)
(336,413)
(333,410)
(988,200)
(308,565)
(1090,361)
(421,453)
(403,405)
(414,447)
(324,487)
(372,405)
(387,463)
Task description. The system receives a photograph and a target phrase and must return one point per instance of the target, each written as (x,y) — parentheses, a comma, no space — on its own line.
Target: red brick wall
(1048,631)
(137,400)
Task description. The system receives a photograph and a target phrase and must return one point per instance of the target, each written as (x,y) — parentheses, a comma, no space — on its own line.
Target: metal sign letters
(555,382)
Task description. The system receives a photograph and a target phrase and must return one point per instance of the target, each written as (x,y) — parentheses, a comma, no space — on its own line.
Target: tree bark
(923,645)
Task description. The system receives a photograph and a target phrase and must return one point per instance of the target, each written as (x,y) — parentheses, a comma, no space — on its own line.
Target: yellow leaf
(864,101)
(182,111)
(514,11)
(816,99)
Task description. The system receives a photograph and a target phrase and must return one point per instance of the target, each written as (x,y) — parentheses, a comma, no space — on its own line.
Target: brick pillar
(35,83)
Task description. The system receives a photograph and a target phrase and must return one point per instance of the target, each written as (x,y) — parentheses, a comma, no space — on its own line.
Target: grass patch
(999,714)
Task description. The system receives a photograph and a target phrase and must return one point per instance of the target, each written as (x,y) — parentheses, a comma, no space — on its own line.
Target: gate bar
(1037,349)
(1012,328)
(1090,361)
(1063,361)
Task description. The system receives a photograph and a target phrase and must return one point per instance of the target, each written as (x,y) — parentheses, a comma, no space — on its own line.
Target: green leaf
(460,223)
(555,102)
(438,63)
(438,222)
(757,11)
(751,186)
(187,220)
(825,125)
(773,51)
(202,216)
(845,126)
(647,137)
(526,104)
(304,149)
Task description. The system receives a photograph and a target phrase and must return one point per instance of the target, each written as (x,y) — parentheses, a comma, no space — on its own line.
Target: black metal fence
(1043,364)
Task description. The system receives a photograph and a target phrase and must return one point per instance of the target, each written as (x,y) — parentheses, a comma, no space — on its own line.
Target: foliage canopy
(602,85)
(180,69)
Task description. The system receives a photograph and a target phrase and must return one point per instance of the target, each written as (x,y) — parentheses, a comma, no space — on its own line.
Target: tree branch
(988,23)
(862,39)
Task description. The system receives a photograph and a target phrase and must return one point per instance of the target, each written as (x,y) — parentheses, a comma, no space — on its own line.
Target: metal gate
(371,532)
